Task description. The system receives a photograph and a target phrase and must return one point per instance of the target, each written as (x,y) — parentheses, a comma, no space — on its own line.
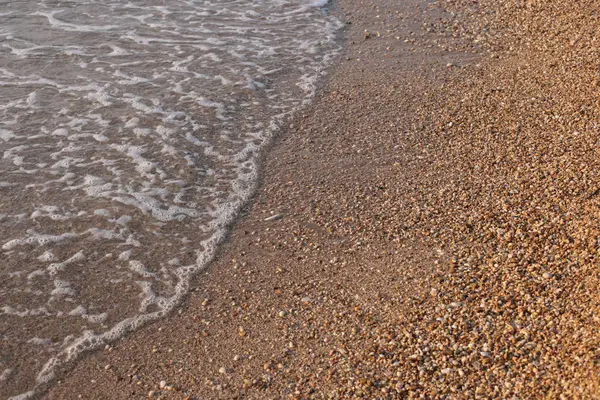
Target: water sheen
(129,136)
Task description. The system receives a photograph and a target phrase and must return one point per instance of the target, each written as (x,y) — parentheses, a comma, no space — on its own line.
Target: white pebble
(273,217)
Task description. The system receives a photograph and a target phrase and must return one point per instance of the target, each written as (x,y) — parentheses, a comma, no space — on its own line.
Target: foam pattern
(129,138)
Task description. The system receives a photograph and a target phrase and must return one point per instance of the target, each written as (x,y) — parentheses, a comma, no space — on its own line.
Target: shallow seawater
(129,135)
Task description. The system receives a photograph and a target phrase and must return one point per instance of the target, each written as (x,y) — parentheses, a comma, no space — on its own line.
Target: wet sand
(432,227)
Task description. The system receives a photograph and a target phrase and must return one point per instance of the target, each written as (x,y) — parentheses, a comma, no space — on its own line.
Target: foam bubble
(319,3)
(46,256)
(24,396)
(62,288)
(139,268)
(124,256)
(102,212)
(27,312)
(5,374)
(60,132)
(37,272)
(78,311)
(6,135)
(40,342)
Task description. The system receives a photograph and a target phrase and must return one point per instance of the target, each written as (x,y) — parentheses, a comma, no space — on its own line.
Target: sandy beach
(428,228)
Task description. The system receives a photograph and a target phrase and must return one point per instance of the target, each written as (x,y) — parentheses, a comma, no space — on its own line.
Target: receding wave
(129,134)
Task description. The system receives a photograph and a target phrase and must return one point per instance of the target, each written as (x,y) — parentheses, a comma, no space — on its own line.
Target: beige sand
(439,226)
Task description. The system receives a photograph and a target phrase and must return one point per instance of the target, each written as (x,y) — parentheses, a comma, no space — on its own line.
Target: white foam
(24,396)
(37,272)
(100,138)
(102,212)
(54,268)
(6,135)
(319,3)
(27,312)
(62,288)
(46,256)
(78,311)
(40,342)
(124,256)
(60,132)
(73,27)
(97,318)
(124,220)
(140,269)
(117,51)
(37,239)
(5,374)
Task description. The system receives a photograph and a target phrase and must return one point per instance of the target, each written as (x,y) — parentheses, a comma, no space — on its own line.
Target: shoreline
(208,307)
(434,238)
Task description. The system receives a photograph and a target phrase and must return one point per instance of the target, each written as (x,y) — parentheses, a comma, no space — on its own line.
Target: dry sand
(438,234)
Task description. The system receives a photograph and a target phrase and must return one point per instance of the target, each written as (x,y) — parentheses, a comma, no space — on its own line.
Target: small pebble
(273,217)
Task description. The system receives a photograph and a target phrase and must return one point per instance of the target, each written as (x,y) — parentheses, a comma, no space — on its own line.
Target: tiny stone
(273,217)
(162,384)
(223,370)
